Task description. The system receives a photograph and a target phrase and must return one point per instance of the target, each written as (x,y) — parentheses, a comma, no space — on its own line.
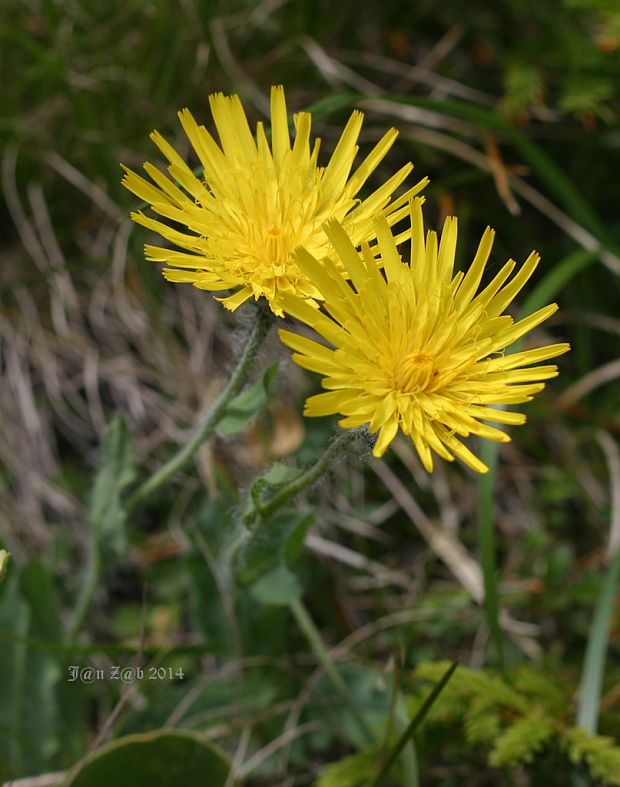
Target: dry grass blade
(278,743)
(411,74)
(454,555)
(443,544)
(349,557)
(335,72)
(227,58)
(429,136)
(501,176)
(44,780)
(86,186)
(588,383)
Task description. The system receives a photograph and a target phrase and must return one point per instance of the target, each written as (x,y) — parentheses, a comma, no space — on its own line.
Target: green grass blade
(408,757)
(596,650)
(413,725)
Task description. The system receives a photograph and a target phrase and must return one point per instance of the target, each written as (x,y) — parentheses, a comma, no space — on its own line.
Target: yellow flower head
(254,203)
(416,348)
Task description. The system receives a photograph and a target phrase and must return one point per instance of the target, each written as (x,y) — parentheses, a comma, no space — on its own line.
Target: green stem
(259,510)
(310,631)
(413,725)
(309,476)
(205,430)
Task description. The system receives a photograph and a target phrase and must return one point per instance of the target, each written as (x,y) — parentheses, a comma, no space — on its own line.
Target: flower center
(274,243)
(273,251)
(414,372)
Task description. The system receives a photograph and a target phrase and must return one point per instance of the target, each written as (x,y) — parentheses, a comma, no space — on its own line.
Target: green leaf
(413,725)
(116,471)
(209,534)
(30,722)
(248,404)
(40,711)
(279,473)
(153,759)
(278,587)
(38,589)
(277,540)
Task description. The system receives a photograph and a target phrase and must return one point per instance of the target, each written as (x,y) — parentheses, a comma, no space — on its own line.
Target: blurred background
(512,110)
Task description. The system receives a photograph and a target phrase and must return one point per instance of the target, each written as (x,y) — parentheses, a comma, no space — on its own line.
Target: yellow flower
(254,203)
(415,348)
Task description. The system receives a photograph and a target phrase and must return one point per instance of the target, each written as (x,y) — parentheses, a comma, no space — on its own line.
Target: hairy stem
(309,476)
(264,320)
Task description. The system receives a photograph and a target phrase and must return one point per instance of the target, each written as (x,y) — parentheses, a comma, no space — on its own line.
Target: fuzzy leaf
(278,587)
(248,404)
(276,475)
(277,541)
(116,471)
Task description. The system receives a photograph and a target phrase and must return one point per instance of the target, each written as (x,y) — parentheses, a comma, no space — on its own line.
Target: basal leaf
(154,759)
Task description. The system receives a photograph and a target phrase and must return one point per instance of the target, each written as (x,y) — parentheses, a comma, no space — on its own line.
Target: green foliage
(467,684)
(574,70)
(352,771)
(209,536)
(278,541)
(40,711)
(520,742)
(481,722)
(518,717)
(600,753)
(29,712)
(541,82)
(535,682)
(523,83)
